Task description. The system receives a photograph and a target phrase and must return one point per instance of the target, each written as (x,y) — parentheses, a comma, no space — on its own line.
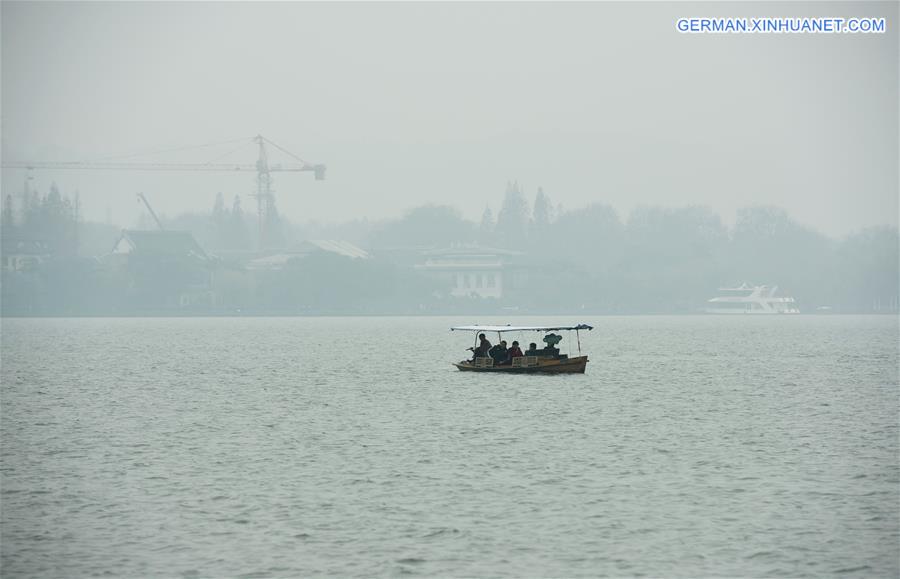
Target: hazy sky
(412,103)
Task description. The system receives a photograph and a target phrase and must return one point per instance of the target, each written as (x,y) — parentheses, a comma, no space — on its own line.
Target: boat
(548,360)
(747,299)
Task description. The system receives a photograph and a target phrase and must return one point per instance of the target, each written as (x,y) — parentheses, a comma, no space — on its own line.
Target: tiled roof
(163,242)
(339,247)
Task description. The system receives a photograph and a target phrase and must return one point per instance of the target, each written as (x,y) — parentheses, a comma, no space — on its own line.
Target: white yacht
(747,299)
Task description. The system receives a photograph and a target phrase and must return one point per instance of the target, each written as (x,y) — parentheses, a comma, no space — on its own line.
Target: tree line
(653,260)
(51,219)
(666,259)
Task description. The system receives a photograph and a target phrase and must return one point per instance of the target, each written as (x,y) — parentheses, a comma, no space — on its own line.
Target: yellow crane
(264,196)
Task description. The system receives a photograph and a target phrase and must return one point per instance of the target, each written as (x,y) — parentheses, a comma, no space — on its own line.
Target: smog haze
(444,103)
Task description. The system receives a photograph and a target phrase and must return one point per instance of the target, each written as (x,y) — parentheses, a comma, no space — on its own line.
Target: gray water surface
(693,446)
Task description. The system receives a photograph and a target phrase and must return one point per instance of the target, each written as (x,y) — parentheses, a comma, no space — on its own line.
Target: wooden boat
(548,360)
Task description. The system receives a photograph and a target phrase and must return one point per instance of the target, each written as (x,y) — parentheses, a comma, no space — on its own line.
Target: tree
(542,214)
(8,220)
(590,236)
(768,247)
(237,227)
(219,222)
(868,271)
(54,197)
(76,221)
(219,213)
(49,219)
(512,221)
(486,228)
(274,231)
(672,258)
(25,203)
(57,219)
(426,226)
(325,282)
(31,202)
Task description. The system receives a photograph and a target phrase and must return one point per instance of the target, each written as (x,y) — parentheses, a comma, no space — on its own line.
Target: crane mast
(265,198)
(142,198)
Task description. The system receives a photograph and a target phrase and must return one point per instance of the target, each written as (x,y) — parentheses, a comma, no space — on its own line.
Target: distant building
(23,254)
(165,268)
(304,249)
(470,271)
(159,244)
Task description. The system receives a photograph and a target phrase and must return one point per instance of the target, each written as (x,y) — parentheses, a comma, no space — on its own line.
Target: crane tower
(264,194)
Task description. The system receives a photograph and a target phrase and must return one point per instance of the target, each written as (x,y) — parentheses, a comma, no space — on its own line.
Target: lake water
(253,447)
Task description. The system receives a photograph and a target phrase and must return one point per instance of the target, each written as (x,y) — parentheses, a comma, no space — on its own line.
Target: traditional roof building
(165,269)
(306,248)
(159,243)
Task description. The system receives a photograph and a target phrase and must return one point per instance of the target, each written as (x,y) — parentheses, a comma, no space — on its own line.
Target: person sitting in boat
(483,348)
(532,350)
(514,352)
(498,353)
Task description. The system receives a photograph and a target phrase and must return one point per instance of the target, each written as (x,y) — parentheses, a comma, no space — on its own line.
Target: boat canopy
(520,328)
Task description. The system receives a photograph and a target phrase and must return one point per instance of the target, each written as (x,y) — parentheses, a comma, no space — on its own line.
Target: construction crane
(265,197)
(159,224)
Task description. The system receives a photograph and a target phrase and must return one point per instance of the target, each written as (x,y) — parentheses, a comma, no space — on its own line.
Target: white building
(21,254)
(469,271)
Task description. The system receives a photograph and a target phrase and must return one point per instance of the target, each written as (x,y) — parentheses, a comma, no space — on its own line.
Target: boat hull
(575,365)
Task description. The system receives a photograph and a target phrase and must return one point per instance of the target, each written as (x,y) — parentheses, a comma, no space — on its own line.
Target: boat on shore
(547,360)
